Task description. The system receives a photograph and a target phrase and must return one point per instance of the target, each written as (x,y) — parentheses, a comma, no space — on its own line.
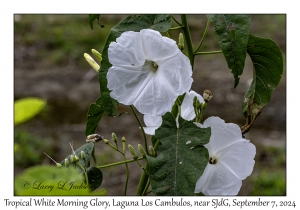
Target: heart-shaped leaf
(181,157)
(267,71)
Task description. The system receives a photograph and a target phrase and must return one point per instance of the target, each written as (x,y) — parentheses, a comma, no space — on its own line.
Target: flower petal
(152,123)
(127,50)
(238,158)
(217,180)
(150,130)
(187,108)
(155,121)
(156,98)
(157,47)
(222,134)
(127,84)
(176,73)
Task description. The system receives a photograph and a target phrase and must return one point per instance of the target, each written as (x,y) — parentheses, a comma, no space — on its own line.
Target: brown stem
(249,123)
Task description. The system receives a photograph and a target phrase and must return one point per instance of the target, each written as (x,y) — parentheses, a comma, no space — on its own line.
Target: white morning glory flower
(187,113)
(148,71)
(231,159)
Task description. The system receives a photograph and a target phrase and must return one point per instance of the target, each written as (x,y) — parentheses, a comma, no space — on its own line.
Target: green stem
(119,163)
(143,181)
(86,178)
(85,173)
(146,188)
(176,21)
(167,33)
(206,28)
(127,174)
(174,28)
(142,128)
(188,39)
(115,148)
(141,166)
(206,53)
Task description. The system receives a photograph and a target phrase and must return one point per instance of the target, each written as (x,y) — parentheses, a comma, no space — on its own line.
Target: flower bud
(72,158)
(207,95)
(76,158)
(198,104)
(91,61)
(94,138)
(97,55)
(105,141)
(123,143)
(58,165)
(82,154)
(142,151)
(195,102)
(67,162)
(114,137)
(151,151)
(181,42)
(132,151)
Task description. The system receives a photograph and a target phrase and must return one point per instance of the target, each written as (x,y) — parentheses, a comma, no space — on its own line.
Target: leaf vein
(276,64)
(266,70)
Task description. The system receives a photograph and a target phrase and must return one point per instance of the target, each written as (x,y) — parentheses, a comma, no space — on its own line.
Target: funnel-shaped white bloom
(231,159)
(187,113)
(148,71)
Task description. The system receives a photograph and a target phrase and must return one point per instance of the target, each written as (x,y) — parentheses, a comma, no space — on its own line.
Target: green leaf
(177,103)
(95,177)
(95,113)
(136,23)
(88,149)
(181,157)
(93,17)
(267,62)
(27,108)
(94,116)
(50,180)
(232,32)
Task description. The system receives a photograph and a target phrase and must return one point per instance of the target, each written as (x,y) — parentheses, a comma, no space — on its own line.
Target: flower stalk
(201,41)
(206,53)
(120,163)
(188,39)
(142,128)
